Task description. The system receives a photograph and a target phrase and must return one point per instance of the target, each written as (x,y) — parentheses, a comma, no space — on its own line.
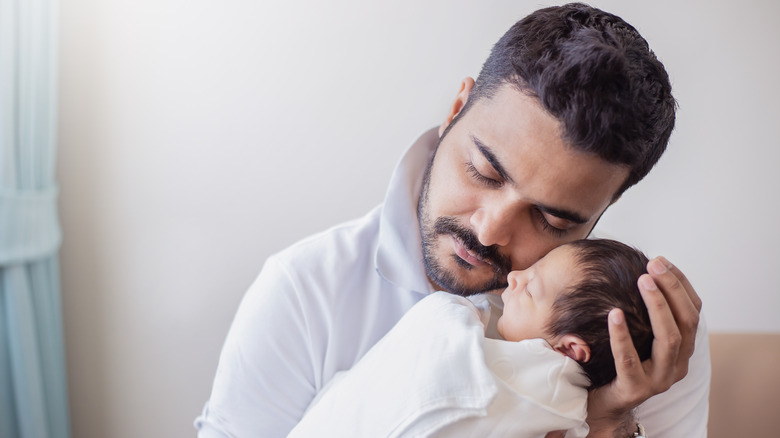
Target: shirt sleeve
(265,376)
(683,410)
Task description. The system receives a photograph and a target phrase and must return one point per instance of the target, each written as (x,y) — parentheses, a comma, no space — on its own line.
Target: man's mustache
(447,225)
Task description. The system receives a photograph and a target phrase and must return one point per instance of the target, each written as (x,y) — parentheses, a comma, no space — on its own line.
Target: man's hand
(674,309)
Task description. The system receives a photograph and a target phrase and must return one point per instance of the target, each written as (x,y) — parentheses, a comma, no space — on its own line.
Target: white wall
(198,137)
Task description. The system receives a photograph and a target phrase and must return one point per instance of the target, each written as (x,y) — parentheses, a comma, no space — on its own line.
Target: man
(570,109)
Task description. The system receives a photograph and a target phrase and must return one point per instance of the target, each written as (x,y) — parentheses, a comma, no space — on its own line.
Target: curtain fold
(33,390)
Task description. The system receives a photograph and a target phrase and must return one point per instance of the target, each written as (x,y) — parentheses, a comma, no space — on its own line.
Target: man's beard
(448,226)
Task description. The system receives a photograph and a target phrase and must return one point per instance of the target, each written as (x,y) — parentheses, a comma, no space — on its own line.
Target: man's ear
(574,347)
(460,102)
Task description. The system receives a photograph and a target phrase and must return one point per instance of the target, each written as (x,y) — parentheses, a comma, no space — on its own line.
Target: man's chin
(449,272)
(459,283)
(467,292)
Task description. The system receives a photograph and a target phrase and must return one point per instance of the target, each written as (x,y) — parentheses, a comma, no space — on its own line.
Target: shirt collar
(398,257)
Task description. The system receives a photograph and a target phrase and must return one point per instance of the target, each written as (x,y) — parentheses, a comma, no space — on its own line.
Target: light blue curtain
(33,393)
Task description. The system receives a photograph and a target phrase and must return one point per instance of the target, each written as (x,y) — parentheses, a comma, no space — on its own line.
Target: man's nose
(493,225)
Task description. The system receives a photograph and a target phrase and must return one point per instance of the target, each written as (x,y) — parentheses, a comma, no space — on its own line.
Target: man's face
(504,189)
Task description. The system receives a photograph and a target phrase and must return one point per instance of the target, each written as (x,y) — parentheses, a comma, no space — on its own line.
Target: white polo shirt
(318,306)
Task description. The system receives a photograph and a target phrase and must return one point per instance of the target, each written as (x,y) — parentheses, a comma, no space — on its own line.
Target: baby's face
(531,293)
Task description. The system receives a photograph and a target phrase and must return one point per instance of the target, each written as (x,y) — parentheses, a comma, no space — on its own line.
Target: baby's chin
(499,327)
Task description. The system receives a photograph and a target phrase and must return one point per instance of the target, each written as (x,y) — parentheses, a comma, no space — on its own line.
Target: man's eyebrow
(557,212)
(491,157)
(563,214)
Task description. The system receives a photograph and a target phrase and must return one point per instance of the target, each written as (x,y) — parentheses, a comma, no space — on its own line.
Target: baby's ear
(574,347)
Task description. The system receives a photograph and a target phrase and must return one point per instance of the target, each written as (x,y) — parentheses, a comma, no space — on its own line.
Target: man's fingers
(695,299)
(629,368)
(684,304)
(667,342)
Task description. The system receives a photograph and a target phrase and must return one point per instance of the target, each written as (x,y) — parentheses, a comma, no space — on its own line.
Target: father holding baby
(570,109)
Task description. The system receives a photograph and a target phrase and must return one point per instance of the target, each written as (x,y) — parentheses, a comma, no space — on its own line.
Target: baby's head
(566,296)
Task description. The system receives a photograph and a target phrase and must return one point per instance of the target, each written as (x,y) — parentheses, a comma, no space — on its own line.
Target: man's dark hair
(609,271)
(594,73)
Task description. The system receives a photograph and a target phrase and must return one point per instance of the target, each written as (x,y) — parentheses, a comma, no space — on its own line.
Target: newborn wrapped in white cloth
(435,374)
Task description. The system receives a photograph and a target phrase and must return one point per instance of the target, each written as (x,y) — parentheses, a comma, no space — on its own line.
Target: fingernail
(666,262)
(616,316)
(657,266)
(647,283)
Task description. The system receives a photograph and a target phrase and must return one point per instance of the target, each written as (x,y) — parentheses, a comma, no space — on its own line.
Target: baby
(435,373)
(565,298)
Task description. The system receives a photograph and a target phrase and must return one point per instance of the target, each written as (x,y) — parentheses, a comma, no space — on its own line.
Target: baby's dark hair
(609,271)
